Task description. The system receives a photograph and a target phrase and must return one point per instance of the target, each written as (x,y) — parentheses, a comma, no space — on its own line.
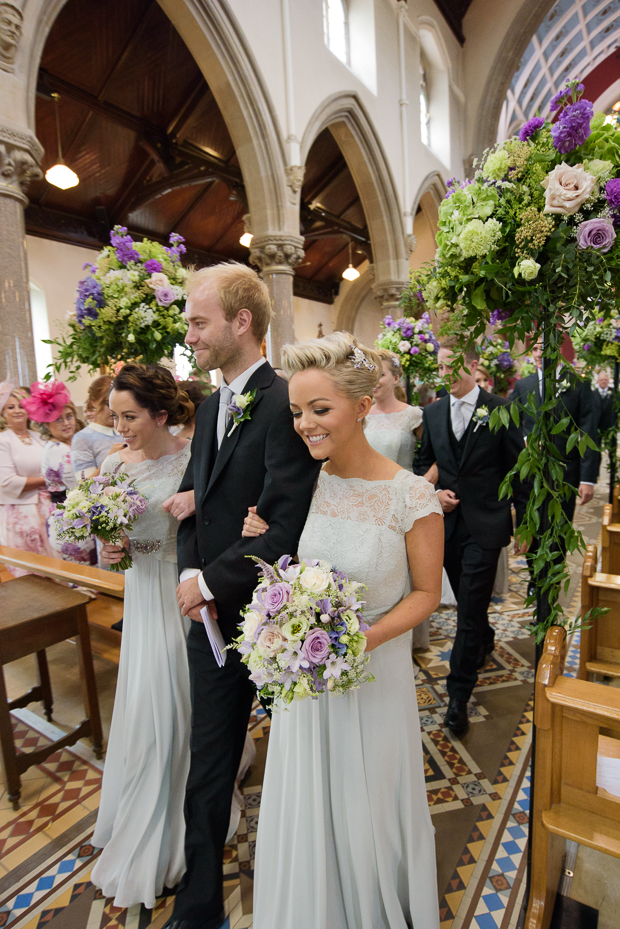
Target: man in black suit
(575,399)
(602,395)
(472,462)
(260,461)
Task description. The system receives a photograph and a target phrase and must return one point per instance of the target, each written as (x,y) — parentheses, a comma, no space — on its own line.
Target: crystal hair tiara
(359,359)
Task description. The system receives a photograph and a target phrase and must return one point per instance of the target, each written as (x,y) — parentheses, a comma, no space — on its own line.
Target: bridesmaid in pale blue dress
(345,839)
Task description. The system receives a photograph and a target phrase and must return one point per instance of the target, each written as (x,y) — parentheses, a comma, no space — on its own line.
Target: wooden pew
(616,504)
(104,609)
(568,716)
(599,650)
(610,542)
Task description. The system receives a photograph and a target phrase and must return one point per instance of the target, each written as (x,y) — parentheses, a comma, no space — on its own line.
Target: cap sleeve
(419,499)
(415,417)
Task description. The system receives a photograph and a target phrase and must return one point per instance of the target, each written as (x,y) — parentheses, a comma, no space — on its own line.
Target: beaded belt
(145,546)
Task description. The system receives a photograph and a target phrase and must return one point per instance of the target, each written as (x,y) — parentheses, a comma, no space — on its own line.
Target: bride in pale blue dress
(345,839)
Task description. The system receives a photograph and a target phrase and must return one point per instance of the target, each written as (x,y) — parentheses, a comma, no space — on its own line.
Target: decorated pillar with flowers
(129,306)
(415,344)
(20,153)
(277,256)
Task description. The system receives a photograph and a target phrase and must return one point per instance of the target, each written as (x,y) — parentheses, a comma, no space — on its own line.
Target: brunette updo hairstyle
(155,390)
(334,354)
(98,393)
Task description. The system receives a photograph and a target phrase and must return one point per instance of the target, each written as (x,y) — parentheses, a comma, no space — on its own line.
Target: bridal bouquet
(105,507)
(303,632)
(129,306)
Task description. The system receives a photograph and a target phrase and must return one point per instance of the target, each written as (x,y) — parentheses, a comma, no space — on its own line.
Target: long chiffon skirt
(140,822)
(345,839)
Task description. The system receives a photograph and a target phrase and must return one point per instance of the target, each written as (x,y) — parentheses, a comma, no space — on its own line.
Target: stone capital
(277,253)
(19,157)
(388,293)
(11,24)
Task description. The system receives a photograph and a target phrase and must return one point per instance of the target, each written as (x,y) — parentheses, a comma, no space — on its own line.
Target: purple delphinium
(153,266)
(406,327)
(89,299)
(558,100)
(612,195)
(388,322)
(123,245)
(87,266)
(505,361)
(573,127)
(176,246)
(498,316)
(530,127)
(420,296)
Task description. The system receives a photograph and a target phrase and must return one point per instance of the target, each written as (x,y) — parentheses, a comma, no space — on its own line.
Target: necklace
(27,440)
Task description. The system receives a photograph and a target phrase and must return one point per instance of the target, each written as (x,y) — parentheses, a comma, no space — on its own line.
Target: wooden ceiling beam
(321,183)
(178,125)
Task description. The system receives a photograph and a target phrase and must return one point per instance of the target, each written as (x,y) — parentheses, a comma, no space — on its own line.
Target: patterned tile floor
(46,856)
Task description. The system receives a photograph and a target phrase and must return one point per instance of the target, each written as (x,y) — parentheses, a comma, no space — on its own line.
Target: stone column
(388,294)
(19,154)
(277,256)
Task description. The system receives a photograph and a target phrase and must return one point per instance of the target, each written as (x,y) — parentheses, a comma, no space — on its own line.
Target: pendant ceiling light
(246,238)
(59,174)
(350,273)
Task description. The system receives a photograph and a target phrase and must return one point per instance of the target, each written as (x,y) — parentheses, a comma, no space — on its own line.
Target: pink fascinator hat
(6,389)
(46,401)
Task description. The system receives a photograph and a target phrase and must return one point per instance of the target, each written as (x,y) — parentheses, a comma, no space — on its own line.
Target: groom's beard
(218,354)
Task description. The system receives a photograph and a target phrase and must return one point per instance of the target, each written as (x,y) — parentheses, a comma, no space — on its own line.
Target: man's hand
(432,474)
(520,547)
(195,611)
(448,500)
(189,595)
(586,492)
(180,505)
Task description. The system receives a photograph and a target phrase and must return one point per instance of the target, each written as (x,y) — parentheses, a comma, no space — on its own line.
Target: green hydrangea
(478,238)
(496,166)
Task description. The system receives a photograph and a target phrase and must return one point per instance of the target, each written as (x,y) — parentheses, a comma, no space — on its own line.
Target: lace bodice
(359,527)
(391,434)
(156,480)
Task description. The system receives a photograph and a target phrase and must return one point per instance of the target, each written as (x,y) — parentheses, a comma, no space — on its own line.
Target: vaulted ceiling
(142,130)
(575,38)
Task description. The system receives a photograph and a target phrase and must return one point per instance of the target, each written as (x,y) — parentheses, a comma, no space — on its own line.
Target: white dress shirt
(462,410)
(236,387)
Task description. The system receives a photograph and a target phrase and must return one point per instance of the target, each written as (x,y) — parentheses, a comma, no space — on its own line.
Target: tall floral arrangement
(129,306)
(533,235)
(415,343)
(597,344)
(496,358)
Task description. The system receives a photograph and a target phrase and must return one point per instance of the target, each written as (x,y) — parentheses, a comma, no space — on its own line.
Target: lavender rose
(596,233)
(316,646)
(165,295)
(274,597)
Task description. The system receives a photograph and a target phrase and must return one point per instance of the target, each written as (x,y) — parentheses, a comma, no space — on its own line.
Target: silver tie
(458,421)
(226,396)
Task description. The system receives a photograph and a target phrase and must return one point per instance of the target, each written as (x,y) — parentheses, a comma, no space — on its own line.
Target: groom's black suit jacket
(474,471)
(264,463)
(579,403)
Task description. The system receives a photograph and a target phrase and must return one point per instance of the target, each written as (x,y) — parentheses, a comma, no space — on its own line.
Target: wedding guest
(359,850)
(51,407)
(472,462)
(24,502)
(91,445)
(426,394)
(482,378)
(392,427)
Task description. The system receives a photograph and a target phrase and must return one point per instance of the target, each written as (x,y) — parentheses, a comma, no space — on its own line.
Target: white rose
(250,625)
(240,401)
(567,188)
(353,623)
(254,662)
(159,279)
(616,323)
(314,580)
(270,642)
(404,346)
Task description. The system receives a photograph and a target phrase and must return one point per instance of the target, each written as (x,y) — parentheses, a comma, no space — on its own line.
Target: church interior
(313,140)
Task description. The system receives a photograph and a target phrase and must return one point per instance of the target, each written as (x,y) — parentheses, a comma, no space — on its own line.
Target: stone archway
(345,116)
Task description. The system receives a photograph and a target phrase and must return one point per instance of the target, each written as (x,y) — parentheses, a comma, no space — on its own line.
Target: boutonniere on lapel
(481,417)
(240,408)
(562,385)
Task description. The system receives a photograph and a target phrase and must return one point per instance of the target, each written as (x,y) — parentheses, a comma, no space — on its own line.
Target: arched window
(336,28)
(425,108)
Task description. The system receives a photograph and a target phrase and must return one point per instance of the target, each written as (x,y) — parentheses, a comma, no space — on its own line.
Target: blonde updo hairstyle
(156,390)
(334,355)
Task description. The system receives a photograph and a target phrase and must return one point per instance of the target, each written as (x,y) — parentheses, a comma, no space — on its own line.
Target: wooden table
(36,613)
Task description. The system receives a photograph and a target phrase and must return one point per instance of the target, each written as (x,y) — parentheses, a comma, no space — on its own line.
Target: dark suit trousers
(221,704)
(471,570)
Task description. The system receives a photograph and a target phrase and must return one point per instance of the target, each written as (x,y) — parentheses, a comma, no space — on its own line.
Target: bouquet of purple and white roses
(415,343)
(105,507)
(303,632)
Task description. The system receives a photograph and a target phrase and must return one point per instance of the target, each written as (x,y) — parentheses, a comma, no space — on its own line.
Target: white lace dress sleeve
(419,499)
